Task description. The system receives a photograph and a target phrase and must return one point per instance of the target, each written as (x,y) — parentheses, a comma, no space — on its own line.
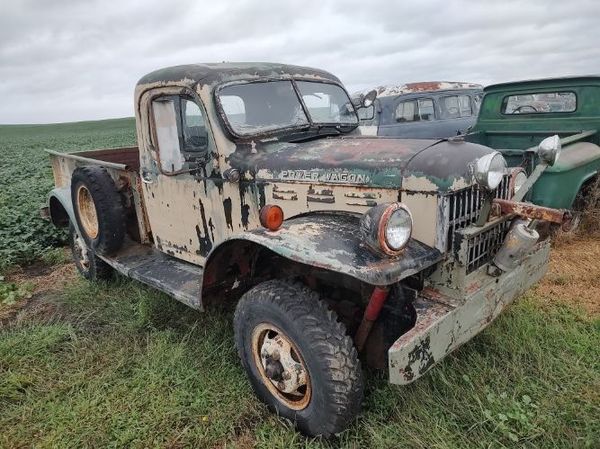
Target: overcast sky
(68,60)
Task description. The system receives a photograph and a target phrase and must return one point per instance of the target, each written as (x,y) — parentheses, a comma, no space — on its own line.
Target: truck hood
(367,161)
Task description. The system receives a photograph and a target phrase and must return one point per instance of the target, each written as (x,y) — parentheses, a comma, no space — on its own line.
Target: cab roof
(221,72)
(422,86)
(563,80)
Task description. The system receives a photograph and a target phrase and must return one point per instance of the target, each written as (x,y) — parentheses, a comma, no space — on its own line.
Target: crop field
(119,365)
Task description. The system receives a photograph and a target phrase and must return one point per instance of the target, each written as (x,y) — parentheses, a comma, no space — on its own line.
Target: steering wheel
(522,109)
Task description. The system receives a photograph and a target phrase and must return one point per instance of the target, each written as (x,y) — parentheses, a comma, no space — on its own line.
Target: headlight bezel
(514,173)
(374,226)
(483,170)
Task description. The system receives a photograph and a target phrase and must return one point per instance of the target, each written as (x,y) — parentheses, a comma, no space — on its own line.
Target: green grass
(119,365)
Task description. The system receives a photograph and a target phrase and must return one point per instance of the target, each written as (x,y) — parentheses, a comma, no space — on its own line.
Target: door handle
(146,179)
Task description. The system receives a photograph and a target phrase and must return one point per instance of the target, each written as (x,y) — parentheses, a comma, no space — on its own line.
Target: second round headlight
(489,170)
(398,228)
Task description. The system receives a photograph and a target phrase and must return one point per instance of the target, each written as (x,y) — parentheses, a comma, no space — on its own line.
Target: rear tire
(98,208)
(88,264)
(298,357)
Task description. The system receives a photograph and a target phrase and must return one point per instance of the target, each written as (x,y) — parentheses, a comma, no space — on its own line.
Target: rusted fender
(333,242)
(529,210)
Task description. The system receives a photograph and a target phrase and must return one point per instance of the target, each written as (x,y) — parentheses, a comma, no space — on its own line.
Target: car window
(426,109)
(181,132)
(456,106)
(327,103)
(464,103)
(415,110)
(539,103)
(405,111)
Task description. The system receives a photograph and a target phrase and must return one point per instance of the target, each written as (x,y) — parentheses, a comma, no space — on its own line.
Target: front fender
(333,242)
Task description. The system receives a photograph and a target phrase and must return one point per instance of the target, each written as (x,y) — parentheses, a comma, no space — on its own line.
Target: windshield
(259,107)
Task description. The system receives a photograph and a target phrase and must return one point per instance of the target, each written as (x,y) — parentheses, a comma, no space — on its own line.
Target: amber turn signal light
(271,217)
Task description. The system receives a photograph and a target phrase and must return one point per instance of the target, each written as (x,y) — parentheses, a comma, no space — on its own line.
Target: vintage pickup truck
(515,117)
(424,110)
(251,184)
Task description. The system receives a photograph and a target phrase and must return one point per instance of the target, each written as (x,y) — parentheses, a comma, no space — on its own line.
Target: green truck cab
(515,117)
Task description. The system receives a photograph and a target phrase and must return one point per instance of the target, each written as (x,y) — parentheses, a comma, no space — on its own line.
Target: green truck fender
(333,242)
(559,185)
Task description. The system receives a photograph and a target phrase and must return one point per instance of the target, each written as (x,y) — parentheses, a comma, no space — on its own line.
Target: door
(180,176)
(412,119)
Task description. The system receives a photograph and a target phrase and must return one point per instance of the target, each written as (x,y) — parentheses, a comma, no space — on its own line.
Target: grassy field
(119,365)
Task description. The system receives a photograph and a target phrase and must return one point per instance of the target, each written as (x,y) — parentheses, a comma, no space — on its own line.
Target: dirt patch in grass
(574,273)
(43,281)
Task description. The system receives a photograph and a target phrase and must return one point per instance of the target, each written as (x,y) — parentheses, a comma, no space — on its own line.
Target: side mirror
(368,99)
(364,101)
(549,149)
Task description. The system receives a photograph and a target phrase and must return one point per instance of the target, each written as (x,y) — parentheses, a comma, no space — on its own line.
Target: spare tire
(98,208)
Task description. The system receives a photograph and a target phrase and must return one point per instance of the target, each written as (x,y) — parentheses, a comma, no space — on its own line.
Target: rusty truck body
(250,180)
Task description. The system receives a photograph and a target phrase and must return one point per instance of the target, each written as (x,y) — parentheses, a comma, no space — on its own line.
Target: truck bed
(115,160)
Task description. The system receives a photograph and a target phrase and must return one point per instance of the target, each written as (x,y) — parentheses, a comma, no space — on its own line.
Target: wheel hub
(281,366)
(87,212)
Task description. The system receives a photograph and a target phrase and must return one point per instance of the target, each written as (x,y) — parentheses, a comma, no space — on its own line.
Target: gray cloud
(76,60)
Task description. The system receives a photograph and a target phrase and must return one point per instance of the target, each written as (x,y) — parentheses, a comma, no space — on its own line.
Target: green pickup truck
(515,117)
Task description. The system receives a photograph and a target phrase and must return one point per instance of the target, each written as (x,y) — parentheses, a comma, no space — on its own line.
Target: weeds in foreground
(124,366)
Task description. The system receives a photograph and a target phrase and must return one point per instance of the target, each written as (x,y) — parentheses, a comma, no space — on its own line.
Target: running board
(176,278)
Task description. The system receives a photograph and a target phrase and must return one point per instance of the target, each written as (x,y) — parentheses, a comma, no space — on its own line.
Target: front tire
(298,357)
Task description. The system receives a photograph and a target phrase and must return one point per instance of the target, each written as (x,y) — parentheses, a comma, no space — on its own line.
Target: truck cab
(515,117)
(251,184)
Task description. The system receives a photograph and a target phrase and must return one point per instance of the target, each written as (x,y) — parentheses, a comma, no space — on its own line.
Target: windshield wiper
(316,134)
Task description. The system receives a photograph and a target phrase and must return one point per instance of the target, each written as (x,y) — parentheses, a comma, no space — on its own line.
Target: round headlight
(489,170)
(519,177)
(549,149)
(387,228)
(398,229)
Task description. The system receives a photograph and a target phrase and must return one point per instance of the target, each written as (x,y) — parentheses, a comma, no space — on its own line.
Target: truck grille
(464,207)
(481,248)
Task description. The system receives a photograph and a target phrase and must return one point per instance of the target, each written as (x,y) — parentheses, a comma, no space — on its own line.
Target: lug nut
(286,375)
(275,355)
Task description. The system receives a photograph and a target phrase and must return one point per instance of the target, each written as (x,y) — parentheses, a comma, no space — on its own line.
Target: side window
(464,103)
(426,109)
(456,106)
(167,134)
(181,133)
(450,107)
(195,136)
(405,111)
(414,111)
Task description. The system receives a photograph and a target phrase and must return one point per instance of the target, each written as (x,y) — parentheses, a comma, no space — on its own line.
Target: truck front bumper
(443,324)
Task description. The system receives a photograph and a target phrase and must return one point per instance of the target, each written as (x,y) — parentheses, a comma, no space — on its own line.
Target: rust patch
(528,210)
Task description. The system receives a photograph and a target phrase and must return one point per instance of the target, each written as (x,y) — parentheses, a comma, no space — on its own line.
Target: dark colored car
(426,110)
